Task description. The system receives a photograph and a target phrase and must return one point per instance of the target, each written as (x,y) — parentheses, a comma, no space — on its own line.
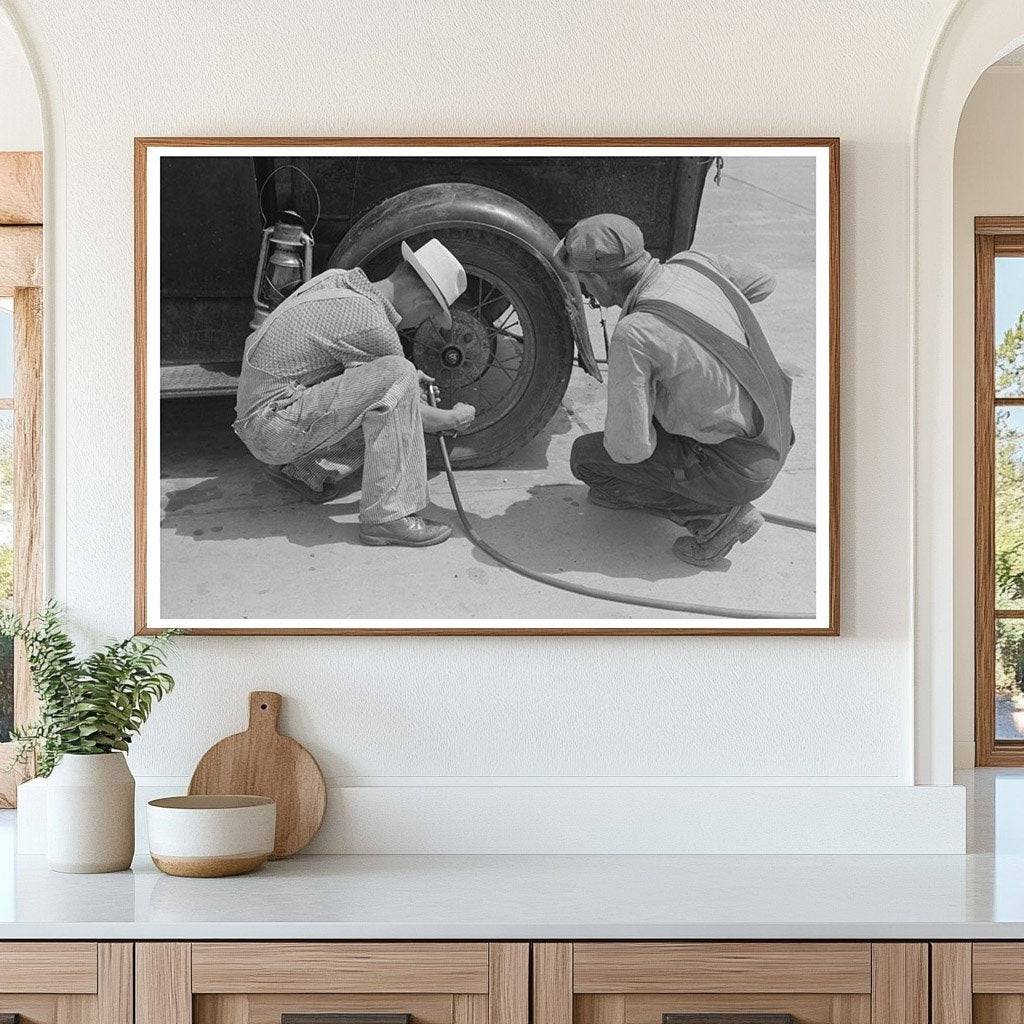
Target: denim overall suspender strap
(754,365)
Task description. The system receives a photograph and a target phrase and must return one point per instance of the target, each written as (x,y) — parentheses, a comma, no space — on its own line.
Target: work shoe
(410,532)
(333,485)
(711,545)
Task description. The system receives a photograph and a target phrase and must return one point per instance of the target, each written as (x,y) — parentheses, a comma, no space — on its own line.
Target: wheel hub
(458,360)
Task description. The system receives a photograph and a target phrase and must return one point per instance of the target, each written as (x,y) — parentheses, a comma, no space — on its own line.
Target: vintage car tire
(538,299)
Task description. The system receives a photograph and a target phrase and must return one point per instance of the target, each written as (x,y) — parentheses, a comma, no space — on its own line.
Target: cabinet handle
(727,1018)
(337,1018)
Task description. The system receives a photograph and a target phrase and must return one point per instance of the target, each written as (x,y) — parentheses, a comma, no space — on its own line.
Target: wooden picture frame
(826,618)
(21,264)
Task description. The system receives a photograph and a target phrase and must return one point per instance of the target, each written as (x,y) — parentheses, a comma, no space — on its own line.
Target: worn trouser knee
(398,375)
(586,448)
(647,484)
(395,466)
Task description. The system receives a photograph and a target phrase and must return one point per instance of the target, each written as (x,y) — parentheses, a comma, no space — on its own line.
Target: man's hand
(447,421)
(423,378)
(462,416)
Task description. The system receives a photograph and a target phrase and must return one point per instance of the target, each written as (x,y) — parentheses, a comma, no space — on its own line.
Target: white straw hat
(441,272)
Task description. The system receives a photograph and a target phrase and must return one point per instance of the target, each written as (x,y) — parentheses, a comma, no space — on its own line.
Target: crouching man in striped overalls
(698,421)
(324,379)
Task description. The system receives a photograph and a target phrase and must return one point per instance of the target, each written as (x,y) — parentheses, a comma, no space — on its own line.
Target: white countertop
(978,896)
(532,897)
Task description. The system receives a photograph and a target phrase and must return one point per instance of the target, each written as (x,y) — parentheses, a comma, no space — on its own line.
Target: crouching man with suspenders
(324,375)
(698,420)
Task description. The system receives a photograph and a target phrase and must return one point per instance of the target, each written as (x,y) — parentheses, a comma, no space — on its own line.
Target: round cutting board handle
(264,710)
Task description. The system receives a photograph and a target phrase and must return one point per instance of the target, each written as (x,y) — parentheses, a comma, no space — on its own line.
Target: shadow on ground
(555,530)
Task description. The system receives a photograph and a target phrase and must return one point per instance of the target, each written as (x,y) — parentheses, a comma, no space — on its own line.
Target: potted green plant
(89,710)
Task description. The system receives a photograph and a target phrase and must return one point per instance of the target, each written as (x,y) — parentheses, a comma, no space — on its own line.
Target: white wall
(21,125)
(437,713)
(988,181)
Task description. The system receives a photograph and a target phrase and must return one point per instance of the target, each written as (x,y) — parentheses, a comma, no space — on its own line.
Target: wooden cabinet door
(979,982)
(736,982)
(263,982)
(66,982)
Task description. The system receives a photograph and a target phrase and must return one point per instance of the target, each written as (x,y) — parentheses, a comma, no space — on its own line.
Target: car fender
(459,204)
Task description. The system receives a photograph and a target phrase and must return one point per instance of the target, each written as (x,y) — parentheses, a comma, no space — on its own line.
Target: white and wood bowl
(211,836)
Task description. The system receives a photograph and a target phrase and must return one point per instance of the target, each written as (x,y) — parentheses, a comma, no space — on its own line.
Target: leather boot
(711,545)
(410,532)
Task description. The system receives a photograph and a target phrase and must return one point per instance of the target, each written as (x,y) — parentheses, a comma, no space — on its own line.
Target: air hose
(609,595)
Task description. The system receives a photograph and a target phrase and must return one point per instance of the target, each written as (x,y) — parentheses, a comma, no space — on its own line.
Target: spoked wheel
(509,353)
(487,358)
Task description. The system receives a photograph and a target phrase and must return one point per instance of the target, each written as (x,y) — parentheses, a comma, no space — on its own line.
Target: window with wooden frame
(21,365)
(999,490)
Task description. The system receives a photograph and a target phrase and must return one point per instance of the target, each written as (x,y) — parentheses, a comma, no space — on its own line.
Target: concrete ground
(236,545)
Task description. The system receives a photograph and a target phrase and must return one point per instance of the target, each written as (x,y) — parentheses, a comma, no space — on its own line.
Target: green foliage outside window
(6,688)
(1009,510)
(6,574)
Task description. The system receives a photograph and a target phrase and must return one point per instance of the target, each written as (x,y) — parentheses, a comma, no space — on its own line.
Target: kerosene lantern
(286,261)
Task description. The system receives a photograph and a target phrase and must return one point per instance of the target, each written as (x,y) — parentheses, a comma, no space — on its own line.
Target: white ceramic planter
(90,814)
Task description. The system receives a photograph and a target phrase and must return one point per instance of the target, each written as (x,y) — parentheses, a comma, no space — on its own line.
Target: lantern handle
(266,182)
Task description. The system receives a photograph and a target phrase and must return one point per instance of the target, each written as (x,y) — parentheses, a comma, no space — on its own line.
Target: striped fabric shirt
(314,341)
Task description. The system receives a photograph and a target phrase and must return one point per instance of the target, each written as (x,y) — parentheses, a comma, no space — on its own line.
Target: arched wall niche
(21,123)
(975,35)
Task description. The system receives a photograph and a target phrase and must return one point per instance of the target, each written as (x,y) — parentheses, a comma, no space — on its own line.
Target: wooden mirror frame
(21,270)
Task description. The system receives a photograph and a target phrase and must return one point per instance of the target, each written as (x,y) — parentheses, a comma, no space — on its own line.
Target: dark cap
(601,243)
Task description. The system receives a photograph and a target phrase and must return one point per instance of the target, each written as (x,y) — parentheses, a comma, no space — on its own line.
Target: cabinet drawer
(998,967)
(981,982)
(340,967)
(261,982)
(733,982)
(270,1009)
(630,967)
(48,967)
(66,982)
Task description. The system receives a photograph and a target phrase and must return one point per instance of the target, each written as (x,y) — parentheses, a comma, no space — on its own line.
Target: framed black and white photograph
(516,386)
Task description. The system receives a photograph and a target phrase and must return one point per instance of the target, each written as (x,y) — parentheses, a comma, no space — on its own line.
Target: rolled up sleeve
(629,434)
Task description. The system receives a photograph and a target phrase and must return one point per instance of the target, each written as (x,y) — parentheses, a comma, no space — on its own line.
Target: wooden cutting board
(262,762)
